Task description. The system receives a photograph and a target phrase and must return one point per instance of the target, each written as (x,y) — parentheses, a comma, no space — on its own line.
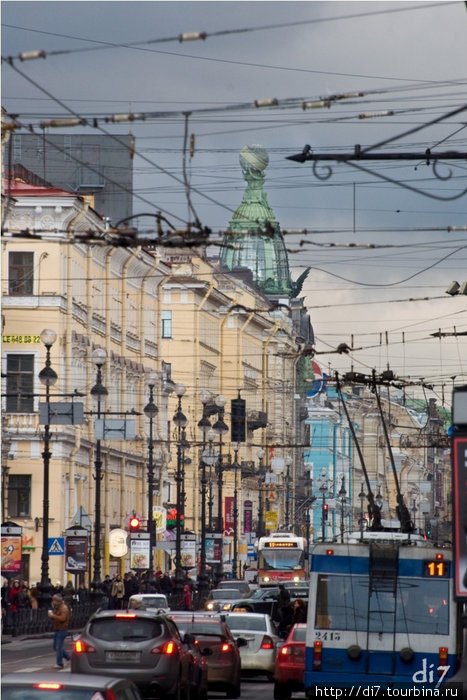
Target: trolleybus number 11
(436,568)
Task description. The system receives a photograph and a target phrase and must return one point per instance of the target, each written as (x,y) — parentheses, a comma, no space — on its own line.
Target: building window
(19,496)
(19,383)
(20,273)
(166,324)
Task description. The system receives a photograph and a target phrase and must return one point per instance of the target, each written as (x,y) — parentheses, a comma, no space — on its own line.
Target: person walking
(117,593)
(299,611)
(60,616)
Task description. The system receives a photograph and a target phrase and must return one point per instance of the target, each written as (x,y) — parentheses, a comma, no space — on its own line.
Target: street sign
(81,519)
(56,546)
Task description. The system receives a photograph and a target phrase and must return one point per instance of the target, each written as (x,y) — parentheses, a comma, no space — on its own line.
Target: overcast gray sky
(407,58)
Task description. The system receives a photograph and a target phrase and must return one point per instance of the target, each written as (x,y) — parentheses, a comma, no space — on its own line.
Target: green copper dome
(255,240)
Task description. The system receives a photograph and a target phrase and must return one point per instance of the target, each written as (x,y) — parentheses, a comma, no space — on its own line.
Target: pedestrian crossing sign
(56,545)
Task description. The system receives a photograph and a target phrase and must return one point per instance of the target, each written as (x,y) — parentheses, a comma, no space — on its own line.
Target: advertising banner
(271,519)
(139,553)
(229,525)
(214,546)
(76,554)
(188,554)
(11,554)
(247,516)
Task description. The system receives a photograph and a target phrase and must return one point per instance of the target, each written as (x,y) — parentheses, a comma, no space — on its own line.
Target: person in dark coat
(285,612)
(299,611)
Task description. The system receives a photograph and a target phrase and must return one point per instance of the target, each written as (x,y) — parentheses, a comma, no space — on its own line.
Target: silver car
(139,645)
(219,599)
(258,655)
(154,602)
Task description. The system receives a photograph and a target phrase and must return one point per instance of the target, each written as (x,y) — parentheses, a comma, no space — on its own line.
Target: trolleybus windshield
(281,559)
(343,603)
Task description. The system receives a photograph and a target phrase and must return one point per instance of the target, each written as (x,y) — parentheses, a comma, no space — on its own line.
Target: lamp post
(260,529)
(47,377)
(235,466)
(98,392)
(210,436)
(204,425)
(362,496)
(150,411)
(220,428)
(324,511)
(288,463)
(181,421)
(342,497)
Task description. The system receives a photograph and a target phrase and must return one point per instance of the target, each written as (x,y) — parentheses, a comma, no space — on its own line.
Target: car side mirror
(242,642)
(189,638)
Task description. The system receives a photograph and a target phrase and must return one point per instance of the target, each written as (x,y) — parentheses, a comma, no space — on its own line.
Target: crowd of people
(17,594)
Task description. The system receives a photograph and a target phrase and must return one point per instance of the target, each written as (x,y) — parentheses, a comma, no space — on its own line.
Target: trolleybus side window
(422,606)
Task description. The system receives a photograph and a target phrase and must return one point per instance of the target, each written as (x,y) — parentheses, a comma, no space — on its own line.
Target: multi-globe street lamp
(99,393)
(221,428)
(150,411)
(288,495)
(181,421)
(236,467)
(260,526)
(47,377)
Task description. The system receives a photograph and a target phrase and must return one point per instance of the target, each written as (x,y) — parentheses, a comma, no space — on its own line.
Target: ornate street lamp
(288,464)
(362,496)
(221,429)
(342,498)
(260,527)
(211,435)
(204,425)
(99,393)
(47,377)
(324,510)
(236,467)
(181,421)
(150,411)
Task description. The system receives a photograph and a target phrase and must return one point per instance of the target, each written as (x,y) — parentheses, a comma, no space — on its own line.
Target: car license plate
(122,655)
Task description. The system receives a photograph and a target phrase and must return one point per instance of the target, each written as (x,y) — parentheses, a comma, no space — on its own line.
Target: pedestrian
(285,612)
(34,595)
(299,611)
(69,594)
(187,597)
(82,593)
(107,591)
(117,593)
(13,601)
(60,616)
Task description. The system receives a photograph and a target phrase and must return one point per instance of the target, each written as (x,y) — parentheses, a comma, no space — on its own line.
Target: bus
(381,615)
(281,557)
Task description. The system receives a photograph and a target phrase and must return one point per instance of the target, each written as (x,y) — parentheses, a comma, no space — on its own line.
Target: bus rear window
(421,607)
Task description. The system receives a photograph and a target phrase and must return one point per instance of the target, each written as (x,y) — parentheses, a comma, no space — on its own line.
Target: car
(217,645)
(258,655)
(220,599)
(290,664)
(135,644)
(239,584)
(64,685)
(156,602)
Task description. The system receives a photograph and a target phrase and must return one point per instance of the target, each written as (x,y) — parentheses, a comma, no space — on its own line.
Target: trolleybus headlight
(407,654)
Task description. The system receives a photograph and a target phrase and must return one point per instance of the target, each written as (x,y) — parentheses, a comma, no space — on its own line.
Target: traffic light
(134,523)
(325,511)
(238,415)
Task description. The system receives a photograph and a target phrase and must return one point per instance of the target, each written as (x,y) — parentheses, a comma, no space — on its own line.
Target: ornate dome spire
(255,240)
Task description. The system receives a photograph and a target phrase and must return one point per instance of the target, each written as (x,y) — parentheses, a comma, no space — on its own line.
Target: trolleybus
(281,557)
(381,614)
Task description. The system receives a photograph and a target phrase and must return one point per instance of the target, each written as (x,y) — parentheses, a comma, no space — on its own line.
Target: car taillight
(267,643)
(80,647)
(288,651)
(317,653)
(125,615)
(48,686)
(168,648)
(226,647)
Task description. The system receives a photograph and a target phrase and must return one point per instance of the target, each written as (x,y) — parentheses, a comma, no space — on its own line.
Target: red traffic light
(134,523)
